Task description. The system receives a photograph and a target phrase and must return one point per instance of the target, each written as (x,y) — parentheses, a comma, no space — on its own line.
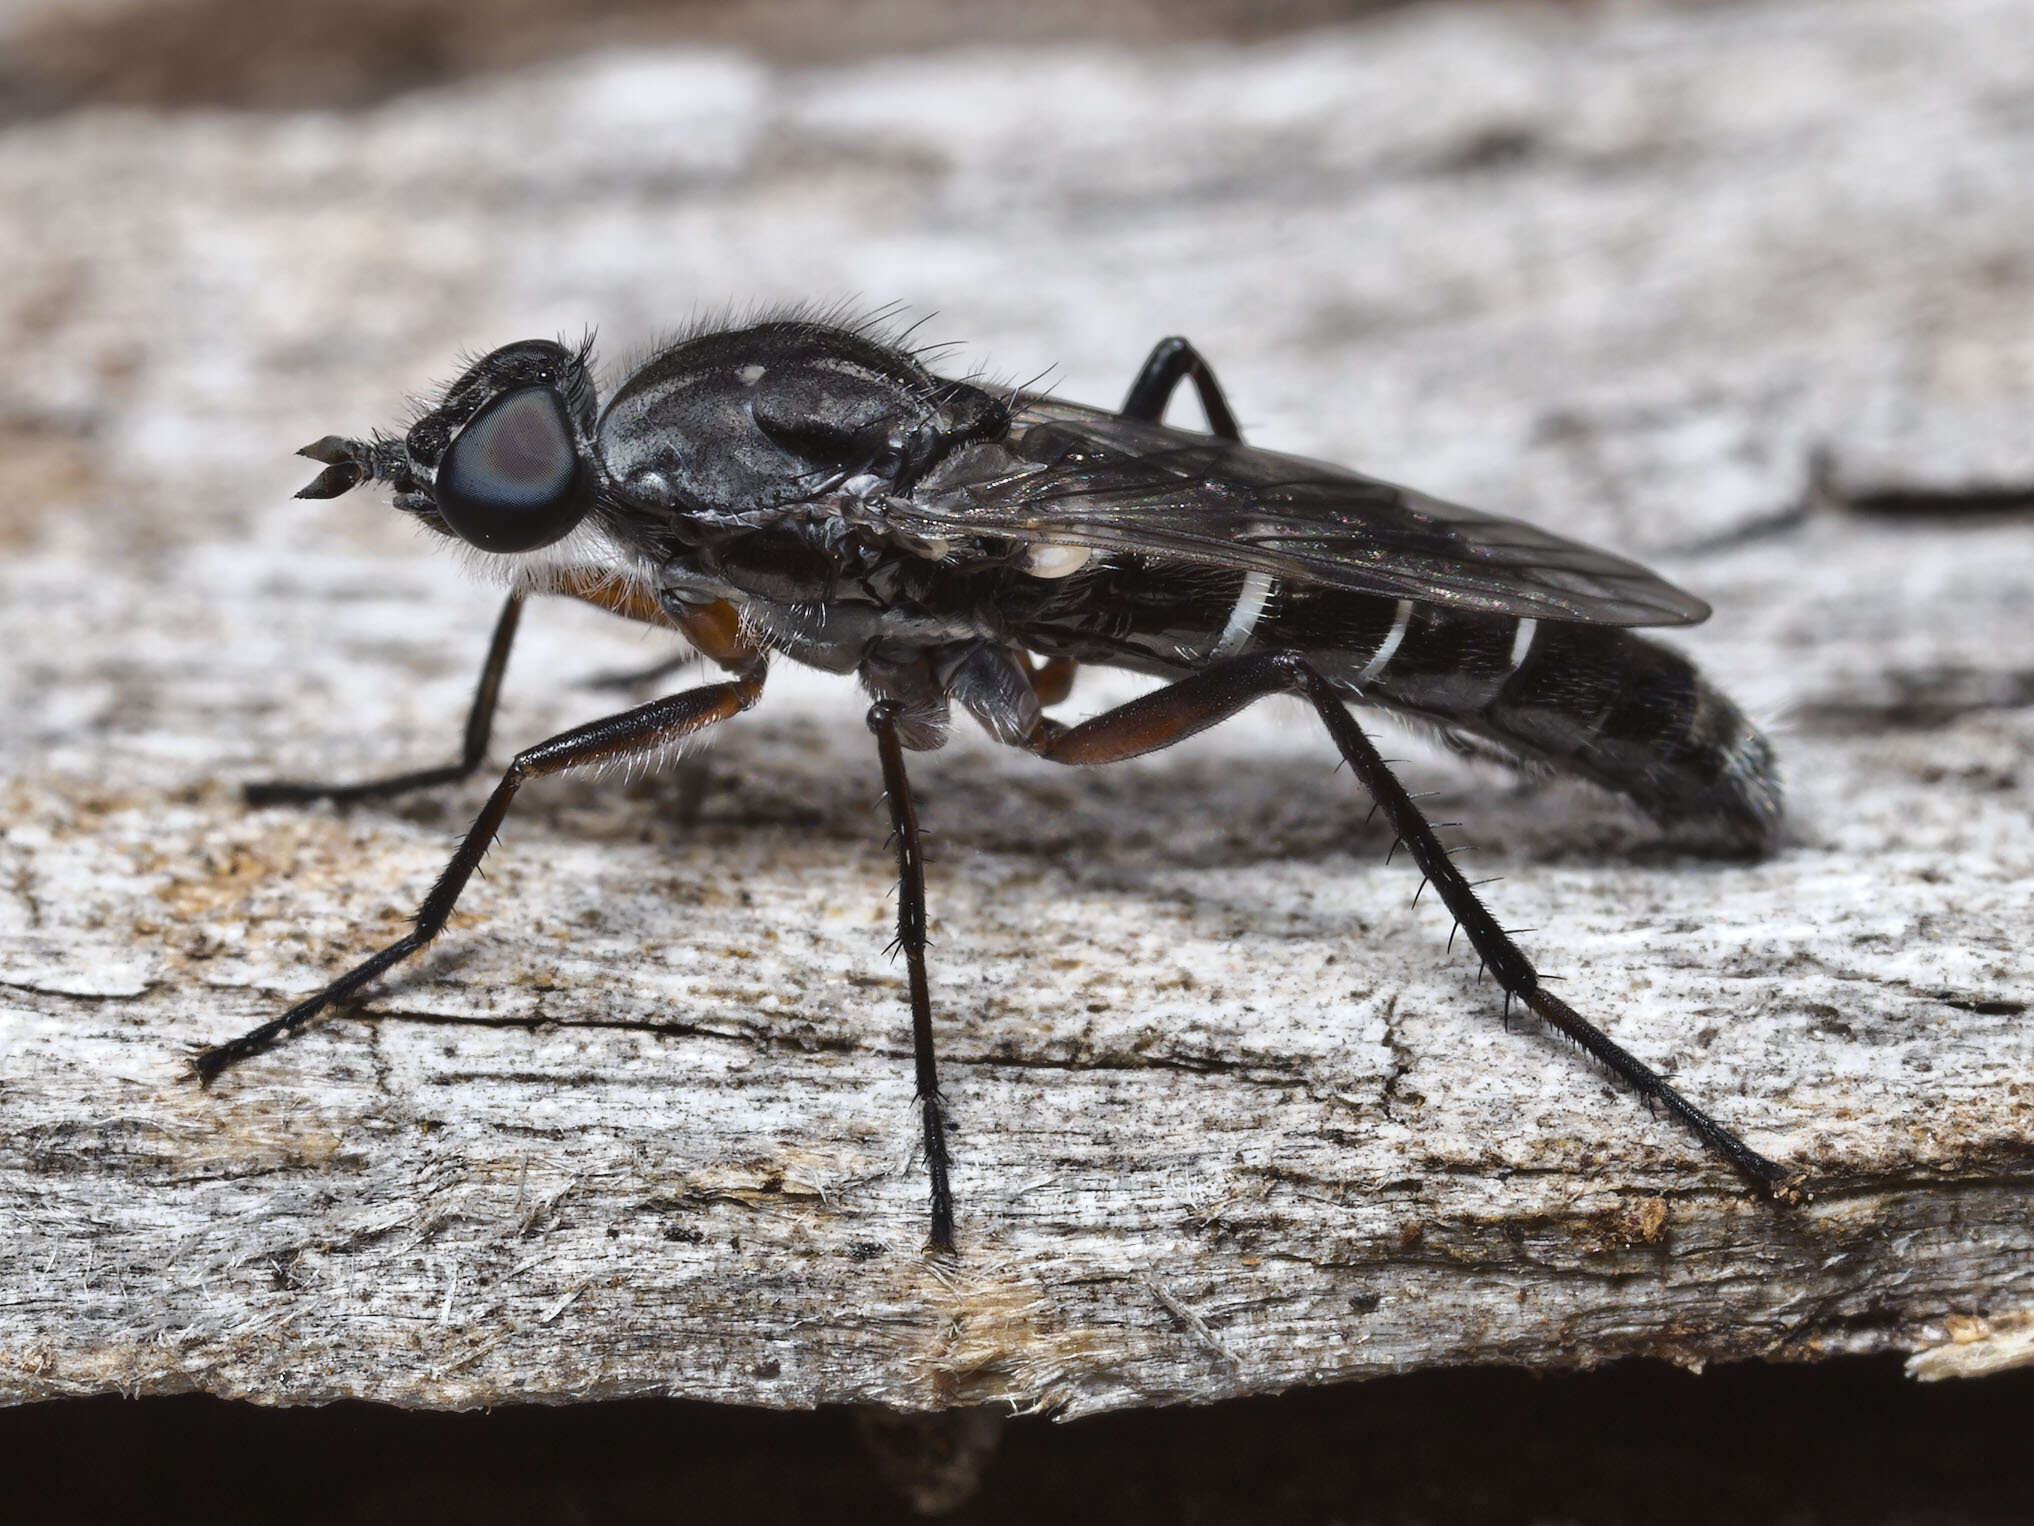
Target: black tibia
(636,731)
(883,719)
(1174,713)
(1169,361)
(479,723)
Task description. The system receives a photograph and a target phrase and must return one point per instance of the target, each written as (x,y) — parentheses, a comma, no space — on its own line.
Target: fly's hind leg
(1180,710)
(1052,680)
(632,733)
(479,725)
(1171,361)
(883,716)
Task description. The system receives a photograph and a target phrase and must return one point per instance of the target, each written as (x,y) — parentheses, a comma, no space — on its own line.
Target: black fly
(802,488)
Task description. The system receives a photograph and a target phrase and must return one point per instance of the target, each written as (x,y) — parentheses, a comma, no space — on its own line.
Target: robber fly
(803,488)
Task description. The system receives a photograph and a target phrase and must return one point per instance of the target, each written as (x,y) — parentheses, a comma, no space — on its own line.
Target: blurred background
(1745,289)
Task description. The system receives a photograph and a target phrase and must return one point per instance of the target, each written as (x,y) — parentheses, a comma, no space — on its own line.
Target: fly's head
(710,439)
(504,462)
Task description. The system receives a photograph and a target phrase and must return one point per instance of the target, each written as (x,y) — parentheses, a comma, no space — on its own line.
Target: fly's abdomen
(1591,700)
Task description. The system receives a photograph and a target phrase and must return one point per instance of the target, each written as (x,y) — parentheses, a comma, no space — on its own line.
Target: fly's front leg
(1176,712)
(911,939)
(636,731)
(479,724)
(689,774)
(1170,361)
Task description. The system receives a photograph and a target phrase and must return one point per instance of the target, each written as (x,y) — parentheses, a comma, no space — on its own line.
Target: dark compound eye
(511,480)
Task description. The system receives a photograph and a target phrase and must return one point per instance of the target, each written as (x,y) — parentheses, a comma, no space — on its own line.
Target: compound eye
(511,480)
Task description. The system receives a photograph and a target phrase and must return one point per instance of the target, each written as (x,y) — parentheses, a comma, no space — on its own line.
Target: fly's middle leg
(479,725)
(883,717)
(1180,710)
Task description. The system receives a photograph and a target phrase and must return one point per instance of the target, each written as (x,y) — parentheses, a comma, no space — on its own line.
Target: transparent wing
(1078,476)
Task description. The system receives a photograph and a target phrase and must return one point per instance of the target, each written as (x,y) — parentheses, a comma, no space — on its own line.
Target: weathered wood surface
(1228,1117)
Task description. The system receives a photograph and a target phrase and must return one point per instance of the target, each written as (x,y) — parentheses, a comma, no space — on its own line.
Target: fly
(801,489)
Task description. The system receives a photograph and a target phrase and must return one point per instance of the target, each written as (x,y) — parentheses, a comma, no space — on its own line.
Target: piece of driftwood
(1742,290)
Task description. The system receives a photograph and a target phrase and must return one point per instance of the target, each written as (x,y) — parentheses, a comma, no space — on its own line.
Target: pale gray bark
(1229,1119)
